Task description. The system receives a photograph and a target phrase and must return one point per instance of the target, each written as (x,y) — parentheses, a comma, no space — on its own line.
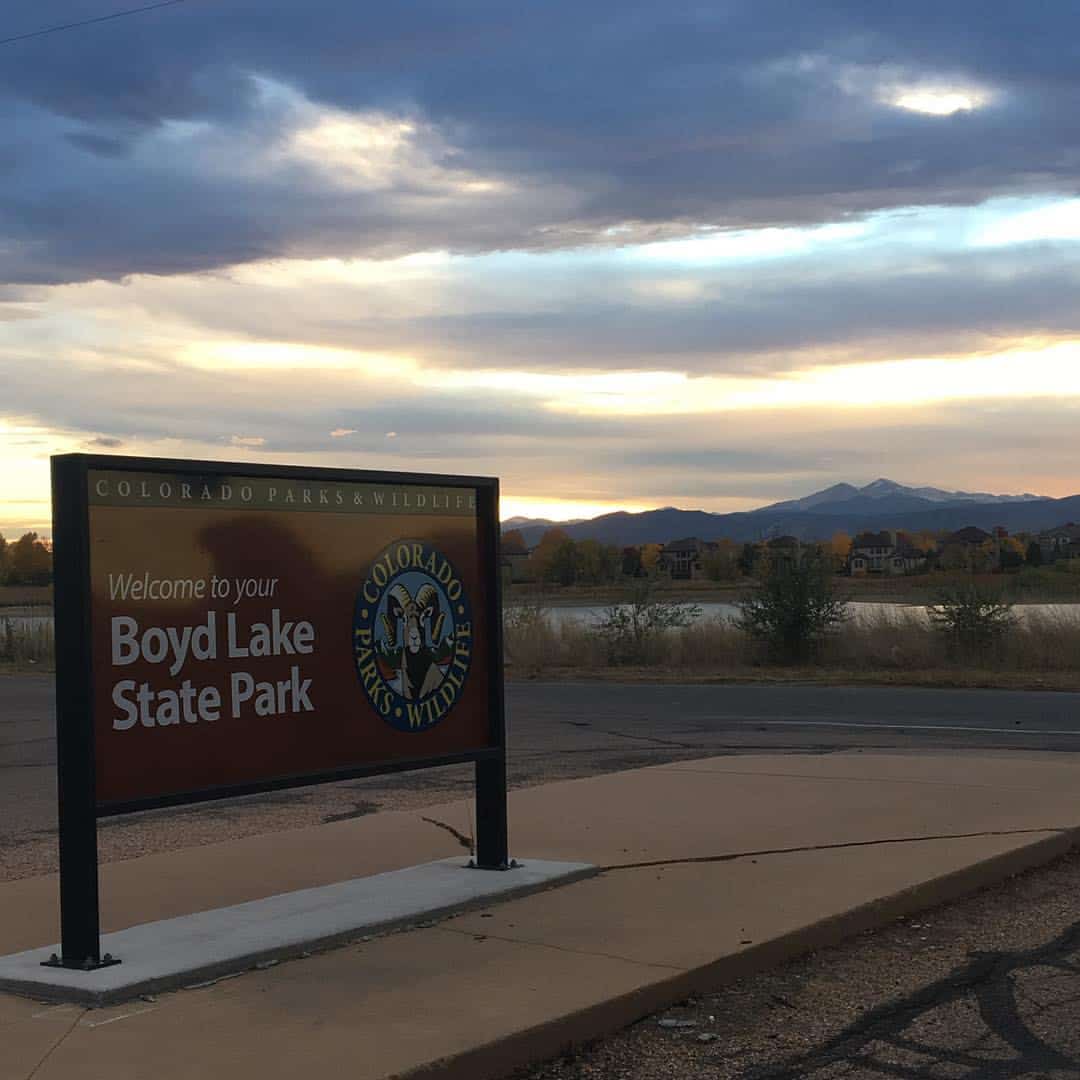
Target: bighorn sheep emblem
(419,674)
(412,635)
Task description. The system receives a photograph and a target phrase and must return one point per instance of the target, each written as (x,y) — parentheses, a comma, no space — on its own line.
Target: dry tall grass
(535,643)
(26,596)
(886,641)
(26,642)
(1045,641)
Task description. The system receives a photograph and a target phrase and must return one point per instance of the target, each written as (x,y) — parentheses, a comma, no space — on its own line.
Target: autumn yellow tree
(722,562)
(838,549)
(840,544)
(650,553)
(987,557)
(1013,552)
(542,554)
(513,542)
(924,542)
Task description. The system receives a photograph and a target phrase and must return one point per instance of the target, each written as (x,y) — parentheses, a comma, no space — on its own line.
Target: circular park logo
(412,635)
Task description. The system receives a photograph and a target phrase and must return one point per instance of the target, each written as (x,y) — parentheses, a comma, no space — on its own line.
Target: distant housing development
(888,552)
(884,553)
(1060,543)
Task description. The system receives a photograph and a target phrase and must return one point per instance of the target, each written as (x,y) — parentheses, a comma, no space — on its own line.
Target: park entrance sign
(225,629)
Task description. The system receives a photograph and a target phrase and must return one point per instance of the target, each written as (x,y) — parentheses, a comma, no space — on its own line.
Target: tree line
(26,561)
(560,560)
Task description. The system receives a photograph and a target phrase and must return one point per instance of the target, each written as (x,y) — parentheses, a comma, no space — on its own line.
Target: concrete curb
(550,1040)
(333,915)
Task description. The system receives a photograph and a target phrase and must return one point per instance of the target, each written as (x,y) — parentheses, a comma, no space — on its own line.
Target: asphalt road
(561,730)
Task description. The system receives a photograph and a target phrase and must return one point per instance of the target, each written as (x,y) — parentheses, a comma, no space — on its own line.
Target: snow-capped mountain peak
(882,489)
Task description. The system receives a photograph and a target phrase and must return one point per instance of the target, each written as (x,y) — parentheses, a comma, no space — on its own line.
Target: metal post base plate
(513,864)
(89,964)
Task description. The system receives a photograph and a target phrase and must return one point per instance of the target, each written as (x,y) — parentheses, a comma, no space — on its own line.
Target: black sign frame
(79,809)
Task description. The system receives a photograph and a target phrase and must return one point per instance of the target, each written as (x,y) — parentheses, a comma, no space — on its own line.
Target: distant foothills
(883,505)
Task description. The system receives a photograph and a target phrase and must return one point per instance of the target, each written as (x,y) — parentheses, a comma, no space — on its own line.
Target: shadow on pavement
(1003,1015)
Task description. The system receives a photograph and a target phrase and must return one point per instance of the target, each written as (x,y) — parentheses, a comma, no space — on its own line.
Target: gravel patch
(28,852)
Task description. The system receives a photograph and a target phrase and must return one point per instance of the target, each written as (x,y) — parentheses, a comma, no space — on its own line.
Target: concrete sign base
(198,948)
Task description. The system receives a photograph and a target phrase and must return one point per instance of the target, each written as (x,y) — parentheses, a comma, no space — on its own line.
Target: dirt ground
(30,596)
(943,678)
(988,987)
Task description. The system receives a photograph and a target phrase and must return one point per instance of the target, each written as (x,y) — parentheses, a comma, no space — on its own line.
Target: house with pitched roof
(683,560)
(1062,542)
(971,535)
(884,553)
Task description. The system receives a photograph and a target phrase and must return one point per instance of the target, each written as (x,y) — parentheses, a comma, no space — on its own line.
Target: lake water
(20,618)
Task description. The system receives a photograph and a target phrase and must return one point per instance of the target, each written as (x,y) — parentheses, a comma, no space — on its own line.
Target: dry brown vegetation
(25,644)
(1042,649)
(890,646)
(1031,585)
(25,596)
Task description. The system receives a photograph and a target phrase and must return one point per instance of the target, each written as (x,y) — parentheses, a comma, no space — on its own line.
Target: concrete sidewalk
(714,868)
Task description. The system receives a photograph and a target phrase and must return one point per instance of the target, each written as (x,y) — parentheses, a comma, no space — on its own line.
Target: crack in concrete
(733,856)
(531,942)
(465,841)
(56,1045)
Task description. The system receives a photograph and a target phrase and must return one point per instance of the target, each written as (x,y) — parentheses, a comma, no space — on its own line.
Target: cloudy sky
(619,254)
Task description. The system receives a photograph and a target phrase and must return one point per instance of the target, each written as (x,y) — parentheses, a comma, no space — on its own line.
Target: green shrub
(634,632)
(793,608)
(971,617)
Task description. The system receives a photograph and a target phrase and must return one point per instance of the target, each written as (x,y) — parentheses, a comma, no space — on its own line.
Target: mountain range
(883,504)
(532,523)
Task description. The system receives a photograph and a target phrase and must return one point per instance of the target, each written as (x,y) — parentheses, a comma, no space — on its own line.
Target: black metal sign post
(79,923)
(79,807)
(492,842)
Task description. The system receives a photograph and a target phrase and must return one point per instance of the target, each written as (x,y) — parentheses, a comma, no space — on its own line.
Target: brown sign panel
(250,628)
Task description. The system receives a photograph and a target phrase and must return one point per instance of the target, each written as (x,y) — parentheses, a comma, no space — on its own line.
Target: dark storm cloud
(730,113)
(770,321)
